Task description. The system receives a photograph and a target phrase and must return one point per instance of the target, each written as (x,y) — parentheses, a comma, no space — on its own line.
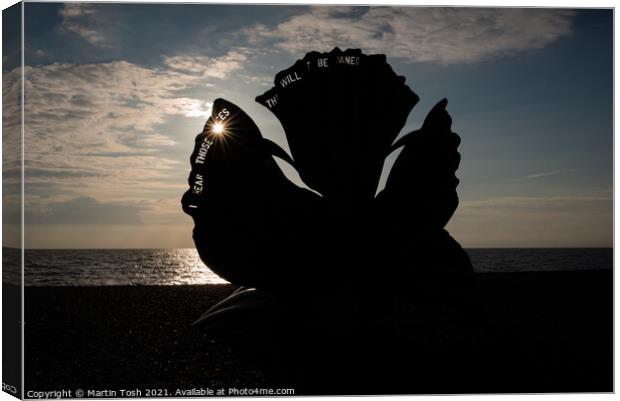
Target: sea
(100,267)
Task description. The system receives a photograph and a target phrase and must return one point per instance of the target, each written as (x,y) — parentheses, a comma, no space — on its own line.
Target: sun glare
(217,128)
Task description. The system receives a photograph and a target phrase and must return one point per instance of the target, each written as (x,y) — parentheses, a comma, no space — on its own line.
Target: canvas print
(206,200)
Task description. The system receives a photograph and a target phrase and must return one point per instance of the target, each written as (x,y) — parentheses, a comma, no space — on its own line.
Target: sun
(217,128)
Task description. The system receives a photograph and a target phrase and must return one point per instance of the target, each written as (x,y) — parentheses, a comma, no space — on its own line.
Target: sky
(116,93)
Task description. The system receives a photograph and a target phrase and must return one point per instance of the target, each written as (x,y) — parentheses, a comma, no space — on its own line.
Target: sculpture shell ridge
(341,112)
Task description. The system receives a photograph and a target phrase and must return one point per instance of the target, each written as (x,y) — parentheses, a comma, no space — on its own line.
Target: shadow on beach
(537,332)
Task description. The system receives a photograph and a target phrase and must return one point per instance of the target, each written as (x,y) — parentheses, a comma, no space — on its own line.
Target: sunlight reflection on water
(58,267)
(74,267)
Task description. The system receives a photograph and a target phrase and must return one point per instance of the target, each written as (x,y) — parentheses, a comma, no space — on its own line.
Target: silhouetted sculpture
(252,225)
(341,258)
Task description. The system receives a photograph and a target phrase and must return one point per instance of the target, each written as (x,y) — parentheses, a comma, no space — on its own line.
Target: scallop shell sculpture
(341,112)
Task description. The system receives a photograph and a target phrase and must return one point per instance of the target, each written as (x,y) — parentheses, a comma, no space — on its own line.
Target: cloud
(80,18)
(84,210)
(11,153)
(207,67)
(548,173)
(99,130)
(116,105)
(73,109)
(443,35)
(536,203)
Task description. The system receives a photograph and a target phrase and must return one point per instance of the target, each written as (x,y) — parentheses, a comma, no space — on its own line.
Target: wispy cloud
(444,35)
(548,173)
(81,19)
(96,129)
(11,152)
(535,202)
(112,107)
(537,221)
(207,67)
(84,210)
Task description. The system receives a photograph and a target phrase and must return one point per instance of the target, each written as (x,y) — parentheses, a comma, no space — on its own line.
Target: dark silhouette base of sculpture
(328,278)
